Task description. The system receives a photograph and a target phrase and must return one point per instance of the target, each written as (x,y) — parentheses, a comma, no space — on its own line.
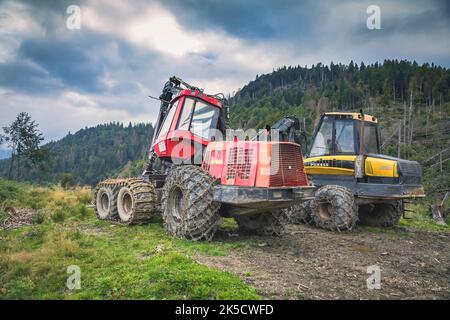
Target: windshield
(198,117)
(335,136)
(340,136)
(204,118)
(345,141)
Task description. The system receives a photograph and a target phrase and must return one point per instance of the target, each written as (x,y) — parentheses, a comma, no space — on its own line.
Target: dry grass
(34,259)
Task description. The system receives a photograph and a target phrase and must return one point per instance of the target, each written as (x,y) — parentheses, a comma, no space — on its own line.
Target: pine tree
(23,138)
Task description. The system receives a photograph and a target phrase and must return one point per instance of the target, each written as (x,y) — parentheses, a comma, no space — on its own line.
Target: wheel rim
(125,204)
(177,203)
(103,202)
(323,210)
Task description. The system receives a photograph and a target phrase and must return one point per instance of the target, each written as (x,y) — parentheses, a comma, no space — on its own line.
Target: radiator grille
(239,163)
(410,168)
(287,166)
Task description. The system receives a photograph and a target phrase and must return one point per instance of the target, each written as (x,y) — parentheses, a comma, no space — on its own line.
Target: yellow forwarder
(356,181)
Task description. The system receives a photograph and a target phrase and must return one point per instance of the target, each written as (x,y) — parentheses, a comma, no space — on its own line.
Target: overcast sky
(125,50)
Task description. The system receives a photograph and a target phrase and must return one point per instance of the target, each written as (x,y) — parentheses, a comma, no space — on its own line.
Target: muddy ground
(309,263)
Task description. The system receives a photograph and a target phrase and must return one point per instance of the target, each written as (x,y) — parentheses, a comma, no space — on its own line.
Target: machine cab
(190,123)
(338,134)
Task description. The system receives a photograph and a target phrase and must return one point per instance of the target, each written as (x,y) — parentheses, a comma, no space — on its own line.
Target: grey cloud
(66,61)
(255,19)
(50,14)
(422,22)
(25,76)
(117,74)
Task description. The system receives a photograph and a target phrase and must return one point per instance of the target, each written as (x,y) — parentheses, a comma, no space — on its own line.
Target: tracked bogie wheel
(300,213)
(381,214)
(188,208)
(334,208)
(265,224)
(134,200)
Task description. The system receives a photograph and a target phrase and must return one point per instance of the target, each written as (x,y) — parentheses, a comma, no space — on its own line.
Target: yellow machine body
(334,151)
(374,167)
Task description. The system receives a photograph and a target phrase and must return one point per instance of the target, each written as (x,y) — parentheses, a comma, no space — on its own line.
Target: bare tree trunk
(404,122)
(11,163)
(410,117)
(18,167)
(393,87)
(399,138)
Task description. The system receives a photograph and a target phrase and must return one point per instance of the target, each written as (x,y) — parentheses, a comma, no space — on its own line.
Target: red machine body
(195,176)
(177,138)
(256,163)
(187,130)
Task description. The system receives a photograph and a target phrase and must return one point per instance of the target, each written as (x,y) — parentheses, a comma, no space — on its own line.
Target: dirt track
(309,263)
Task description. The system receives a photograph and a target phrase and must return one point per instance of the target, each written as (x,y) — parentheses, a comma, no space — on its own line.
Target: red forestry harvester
(195,177)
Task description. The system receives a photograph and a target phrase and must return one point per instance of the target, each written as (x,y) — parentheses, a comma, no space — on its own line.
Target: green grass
(420,218)
(116,262)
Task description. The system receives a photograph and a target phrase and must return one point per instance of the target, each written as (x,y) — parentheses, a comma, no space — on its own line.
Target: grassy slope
(139,262)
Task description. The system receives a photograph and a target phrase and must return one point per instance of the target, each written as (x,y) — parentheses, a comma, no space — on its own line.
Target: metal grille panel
(410,169)
(239,163)
(287,166)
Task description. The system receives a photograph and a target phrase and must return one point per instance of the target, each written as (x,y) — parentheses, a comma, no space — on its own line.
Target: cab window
(185,118)
(323,140)
(168,119)
(198,117)
(345,140)
(370,138)
(204,119)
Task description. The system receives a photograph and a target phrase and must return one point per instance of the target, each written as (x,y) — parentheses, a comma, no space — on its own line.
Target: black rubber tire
(189,210)
(334,208)
(109,195)
(143,198)
(300,213)
(385,215)
(265,224)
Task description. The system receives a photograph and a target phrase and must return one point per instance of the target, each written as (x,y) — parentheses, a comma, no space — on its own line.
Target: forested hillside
(402,94)
(91,154)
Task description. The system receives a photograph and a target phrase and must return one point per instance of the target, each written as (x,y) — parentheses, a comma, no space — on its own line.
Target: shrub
(39,217)
(83,211)
(83,195)
(67,180)
(58,216)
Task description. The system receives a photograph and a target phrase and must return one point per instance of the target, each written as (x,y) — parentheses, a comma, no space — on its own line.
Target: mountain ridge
(91,154)
(399,93)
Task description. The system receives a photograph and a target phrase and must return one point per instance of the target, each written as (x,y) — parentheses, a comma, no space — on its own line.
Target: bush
(39,217)
(83,211)
(83,195)
(67,180)
(8,190)
(58,216)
